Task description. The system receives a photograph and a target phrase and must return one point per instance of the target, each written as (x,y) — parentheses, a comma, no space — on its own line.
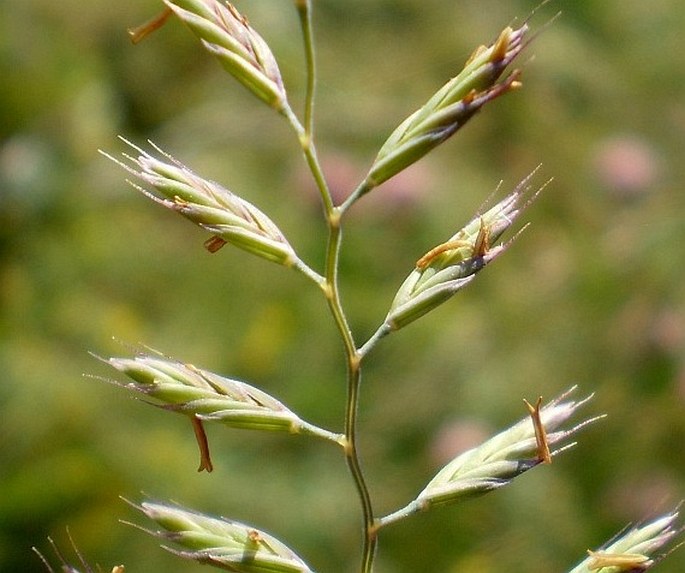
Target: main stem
(353,383)
(330,286)
(352,355)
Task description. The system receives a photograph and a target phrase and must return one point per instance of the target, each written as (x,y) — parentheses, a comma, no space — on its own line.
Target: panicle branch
(186,389)
(448,109)
(453,264)
(227,35)
(228,217)
(220,542)
(496,462)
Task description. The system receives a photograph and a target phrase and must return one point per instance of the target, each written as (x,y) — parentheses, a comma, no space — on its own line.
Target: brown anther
(622,561)
(426,259)
(482,244)
(202,444)
(140,32)
(469,97)
(213,244)
(499,48)
(544,455)
(237,15)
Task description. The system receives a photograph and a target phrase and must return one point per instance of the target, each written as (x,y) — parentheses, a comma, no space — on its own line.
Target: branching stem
(331,290)
(307,145)
(353,386)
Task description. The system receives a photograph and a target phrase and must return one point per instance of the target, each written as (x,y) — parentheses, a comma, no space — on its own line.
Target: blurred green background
(591,294)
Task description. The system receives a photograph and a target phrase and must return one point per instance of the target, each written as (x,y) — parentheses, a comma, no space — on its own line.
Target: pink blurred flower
(627,165)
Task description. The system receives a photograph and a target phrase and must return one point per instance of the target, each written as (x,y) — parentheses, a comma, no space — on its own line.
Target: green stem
(363,188)
(304,9)
(331,290)
(370,538)
(311,429)
(353,386)
(383,330)
(307,145)
(302,267)
(332,293)
(410,509)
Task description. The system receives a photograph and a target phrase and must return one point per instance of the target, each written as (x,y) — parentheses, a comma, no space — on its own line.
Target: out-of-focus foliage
(591,294)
